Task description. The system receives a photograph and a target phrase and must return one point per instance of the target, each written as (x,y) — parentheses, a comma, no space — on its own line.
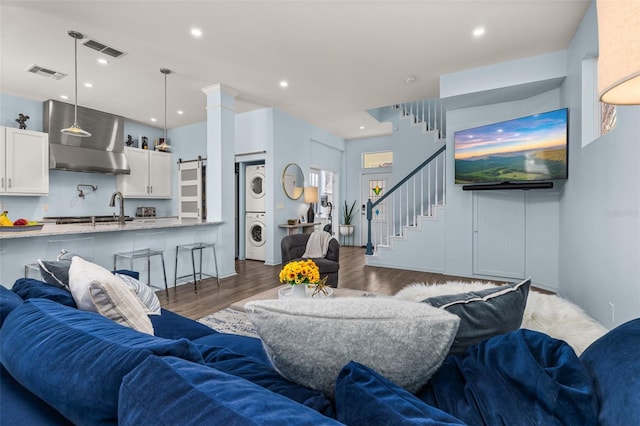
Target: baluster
(422,191)
(407,186)
(444,179)
(429,190)
(441,121)
(436,186)
(414,200)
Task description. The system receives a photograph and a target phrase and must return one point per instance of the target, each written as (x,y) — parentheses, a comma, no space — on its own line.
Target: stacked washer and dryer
(255,248)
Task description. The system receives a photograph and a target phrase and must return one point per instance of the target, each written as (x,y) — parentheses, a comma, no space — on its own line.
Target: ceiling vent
(45,72)
(103,48)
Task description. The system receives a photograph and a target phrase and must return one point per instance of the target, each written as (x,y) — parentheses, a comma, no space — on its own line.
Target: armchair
(293,247)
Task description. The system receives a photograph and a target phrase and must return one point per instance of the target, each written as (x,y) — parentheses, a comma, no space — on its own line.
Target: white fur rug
(546,313)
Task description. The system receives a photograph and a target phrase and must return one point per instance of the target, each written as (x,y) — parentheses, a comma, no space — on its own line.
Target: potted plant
(303,275)
(346,228)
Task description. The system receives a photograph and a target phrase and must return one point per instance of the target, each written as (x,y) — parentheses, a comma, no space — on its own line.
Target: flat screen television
(526,149)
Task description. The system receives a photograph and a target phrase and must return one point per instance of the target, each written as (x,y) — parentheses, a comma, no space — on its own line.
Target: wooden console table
(305,228)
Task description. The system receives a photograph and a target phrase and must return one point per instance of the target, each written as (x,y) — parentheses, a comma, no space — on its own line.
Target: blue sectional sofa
(61,365)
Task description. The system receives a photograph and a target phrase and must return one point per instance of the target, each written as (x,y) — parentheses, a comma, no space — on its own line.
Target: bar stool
(197,246)
(145,246)
(82,246)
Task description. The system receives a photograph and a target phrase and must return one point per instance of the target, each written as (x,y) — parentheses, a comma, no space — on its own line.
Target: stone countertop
(50,229)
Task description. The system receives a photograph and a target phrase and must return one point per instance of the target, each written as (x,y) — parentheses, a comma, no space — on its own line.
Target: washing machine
(255,248)
(254,201)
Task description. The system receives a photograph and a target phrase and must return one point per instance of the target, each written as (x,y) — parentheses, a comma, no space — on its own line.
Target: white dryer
(255,248)
(254,200)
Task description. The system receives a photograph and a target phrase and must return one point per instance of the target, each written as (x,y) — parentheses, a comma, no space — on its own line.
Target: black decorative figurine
(22,121)
(129,140)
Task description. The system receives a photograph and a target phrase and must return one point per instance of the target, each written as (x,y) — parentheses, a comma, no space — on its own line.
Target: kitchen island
(18,249)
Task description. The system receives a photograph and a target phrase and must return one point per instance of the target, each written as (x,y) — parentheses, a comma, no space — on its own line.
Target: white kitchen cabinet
(24,162)
(151,174)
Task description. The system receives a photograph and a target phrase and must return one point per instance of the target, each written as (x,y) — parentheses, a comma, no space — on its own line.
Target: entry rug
(230,321)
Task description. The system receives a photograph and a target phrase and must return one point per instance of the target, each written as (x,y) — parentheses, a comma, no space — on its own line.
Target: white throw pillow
(81,274)
(120,304)
(144,293)
(309,341)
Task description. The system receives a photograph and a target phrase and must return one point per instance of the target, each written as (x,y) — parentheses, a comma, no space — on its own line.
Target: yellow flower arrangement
(300,272)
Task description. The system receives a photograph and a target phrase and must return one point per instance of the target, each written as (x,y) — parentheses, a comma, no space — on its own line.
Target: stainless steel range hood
(102,152)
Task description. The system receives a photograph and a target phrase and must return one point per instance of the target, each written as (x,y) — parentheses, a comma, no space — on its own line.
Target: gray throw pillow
(56,272)
(485,313)
(309,341)
(143,292)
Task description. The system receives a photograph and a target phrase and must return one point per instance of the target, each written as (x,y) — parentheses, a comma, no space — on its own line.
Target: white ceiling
(339,57)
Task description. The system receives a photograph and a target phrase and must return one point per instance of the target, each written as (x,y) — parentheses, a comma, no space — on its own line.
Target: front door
(374,186)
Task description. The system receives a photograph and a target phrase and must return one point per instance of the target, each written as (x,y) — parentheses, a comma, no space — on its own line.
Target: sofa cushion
(484,313)
(243,345)
(8,302)
(521,377)
(143,292)
(174,326)
(199,395)
(364,397)
(81,274)
(613,363)
(75,360)
(309,341)
(119,303)
(28,288)
(20,407)
(263,374)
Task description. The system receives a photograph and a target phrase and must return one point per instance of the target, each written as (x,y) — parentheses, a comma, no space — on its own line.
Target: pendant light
(164,146)
(75,130)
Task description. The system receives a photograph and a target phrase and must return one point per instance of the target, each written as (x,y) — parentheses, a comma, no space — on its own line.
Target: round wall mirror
(293,181)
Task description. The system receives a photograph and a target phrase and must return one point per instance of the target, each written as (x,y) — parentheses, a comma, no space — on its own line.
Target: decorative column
(220,181)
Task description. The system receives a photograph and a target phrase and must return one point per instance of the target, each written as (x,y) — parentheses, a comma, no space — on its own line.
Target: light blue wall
(296,141)
(600,206)
(542,206)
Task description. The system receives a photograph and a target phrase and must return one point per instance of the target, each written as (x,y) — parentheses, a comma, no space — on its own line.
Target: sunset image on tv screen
(530,148)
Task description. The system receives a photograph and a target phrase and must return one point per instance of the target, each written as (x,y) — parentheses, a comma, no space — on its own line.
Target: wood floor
(254,277)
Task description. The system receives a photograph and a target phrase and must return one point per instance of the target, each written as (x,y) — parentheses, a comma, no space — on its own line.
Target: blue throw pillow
(75,360)
(264,375)
(613,363)
(28,288)
(485,313)
(8,302)
(364,397)
(194,394)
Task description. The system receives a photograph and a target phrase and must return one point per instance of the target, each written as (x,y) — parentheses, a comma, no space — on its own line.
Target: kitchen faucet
(112,203)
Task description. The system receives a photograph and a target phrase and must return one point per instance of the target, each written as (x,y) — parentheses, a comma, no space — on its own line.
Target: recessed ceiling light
(478,32)
(64,97)
(410,79)
(89,85)
(102,61)
(361,127)
(180,112)
(284,83)
(154,120)
(196,32)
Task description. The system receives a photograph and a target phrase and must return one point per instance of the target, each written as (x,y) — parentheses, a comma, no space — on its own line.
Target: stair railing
(428,111)
(412,197)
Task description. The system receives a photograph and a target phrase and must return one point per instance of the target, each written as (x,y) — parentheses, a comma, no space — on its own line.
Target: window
(373,160)
(597,118)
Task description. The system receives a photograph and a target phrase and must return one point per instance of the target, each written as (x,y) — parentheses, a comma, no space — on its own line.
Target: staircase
(406,225)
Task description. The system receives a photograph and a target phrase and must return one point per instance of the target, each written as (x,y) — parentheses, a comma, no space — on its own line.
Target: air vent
(103,48)
(45,72)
